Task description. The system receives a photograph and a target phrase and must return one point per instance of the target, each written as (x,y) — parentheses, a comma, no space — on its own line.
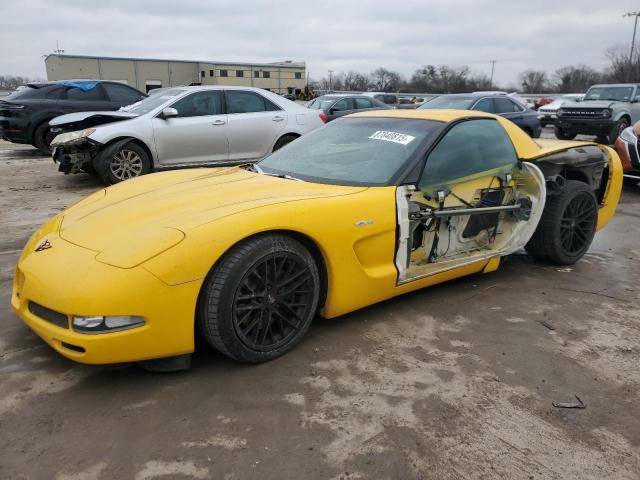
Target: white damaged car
(182,126)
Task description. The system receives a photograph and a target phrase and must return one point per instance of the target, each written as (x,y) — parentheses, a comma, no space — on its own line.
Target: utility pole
(57,50)
(633,40)
(330,82)
(493,64)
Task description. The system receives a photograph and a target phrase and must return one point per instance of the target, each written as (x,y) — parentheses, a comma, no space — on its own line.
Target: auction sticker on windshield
(394,137)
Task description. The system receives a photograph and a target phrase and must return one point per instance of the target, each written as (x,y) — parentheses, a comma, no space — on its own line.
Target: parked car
(489,102)
(391,99)
(337,105)
(548,113)
(25,114)
(179,127)
(349,215)
(627,147)
(605,111)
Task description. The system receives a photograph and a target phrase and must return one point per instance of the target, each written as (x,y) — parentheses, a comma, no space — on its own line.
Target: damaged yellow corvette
(370,206)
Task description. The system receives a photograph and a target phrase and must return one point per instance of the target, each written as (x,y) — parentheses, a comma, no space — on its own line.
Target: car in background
(605,111)
(547,114)
(182,126)
(25,114)
(390,99)
(490,102)
(626,146)
(335,105)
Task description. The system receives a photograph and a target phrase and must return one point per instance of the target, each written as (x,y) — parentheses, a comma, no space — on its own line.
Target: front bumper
(75,158)
(67,280)
(13,134)
(547,118)
(595,126)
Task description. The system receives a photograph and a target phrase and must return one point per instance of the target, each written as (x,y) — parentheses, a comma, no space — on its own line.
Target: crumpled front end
(74,152)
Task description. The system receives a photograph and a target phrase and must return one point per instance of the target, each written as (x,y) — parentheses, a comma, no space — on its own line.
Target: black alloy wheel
(260,298)
(272,301)
(567,226)
(578,224)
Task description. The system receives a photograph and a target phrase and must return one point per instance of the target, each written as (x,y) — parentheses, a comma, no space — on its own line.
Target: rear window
(449,101)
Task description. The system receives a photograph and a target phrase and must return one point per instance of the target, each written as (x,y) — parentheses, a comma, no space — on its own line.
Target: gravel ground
(451,382)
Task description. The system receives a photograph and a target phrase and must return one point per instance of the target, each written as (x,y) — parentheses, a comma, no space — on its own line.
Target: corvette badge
(45,245)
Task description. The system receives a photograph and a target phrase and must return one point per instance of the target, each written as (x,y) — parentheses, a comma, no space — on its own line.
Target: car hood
(591,104)
(164,207)
(95,117)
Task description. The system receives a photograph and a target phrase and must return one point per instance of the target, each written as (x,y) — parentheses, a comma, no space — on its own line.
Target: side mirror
(169,112)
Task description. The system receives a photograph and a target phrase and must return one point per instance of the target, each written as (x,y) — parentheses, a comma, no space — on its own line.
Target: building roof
(282,64)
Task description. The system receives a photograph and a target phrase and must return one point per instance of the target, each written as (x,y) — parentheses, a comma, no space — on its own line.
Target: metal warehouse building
(147,74)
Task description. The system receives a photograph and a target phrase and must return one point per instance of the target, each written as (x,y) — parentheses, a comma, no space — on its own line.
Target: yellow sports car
(368,207)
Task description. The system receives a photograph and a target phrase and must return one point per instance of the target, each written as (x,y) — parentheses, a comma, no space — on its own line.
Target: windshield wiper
(257,169)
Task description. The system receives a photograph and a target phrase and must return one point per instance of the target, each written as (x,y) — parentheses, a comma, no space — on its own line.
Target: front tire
(42,138)
(259,300)
(121,162)
(617,129)
(562,134)
(567,226)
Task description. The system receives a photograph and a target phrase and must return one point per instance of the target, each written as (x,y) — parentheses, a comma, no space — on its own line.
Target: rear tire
(259,300)
(567,226)
(562,134)
(122,161)
(282,141)
(42,138)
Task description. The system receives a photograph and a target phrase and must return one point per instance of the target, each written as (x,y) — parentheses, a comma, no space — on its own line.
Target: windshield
(321,103)
(449,101)
(153,102)
(620,94)
(353,151)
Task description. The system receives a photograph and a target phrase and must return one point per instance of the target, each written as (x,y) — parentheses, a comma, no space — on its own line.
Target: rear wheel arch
(284,139)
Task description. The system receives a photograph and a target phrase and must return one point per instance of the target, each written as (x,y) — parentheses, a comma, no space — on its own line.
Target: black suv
(25,114)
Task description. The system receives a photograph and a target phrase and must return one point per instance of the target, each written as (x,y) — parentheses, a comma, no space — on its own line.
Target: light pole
(493,64)
(330,84)
(633,39)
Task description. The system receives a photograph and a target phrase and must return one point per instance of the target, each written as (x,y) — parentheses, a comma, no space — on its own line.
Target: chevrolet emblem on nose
(45,245)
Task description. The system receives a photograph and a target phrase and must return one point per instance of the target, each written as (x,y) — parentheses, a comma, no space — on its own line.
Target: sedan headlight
(606,112)
(72,137)
(105,324)
(628,136)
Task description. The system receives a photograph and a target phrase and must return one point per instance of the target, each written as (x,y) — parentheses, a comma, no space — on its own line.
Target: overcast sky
(328,35)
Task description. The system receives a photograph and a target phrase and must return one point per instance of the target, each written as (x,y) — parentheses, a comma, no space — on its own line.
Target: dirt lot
(452,382)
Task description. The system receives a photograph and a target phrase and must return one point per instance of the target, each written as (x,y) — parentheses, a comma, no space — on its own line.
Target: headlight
(606,113)
(561,112)
(628,136)
(105,324)
(72,137)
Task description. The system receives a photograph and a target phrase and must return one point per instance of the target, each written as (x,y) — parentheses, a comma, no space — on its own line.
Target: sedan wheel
(126,164)
(122,161)
(260,298)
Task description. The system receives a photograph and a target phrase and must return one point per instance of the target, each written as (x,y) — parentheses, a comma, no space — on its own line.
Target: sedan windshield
(455,102)
(353,151)
(620,94)
(152,102)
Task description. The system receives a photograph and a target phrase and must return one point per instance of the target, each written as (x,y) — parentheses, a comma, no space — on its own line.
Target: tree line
(451,79)
(10,82)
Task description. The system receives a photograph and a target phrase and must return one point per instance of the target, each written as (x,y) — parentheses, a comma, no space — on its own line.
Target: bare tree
(533,81)
(10,82)
(383,80)
(355,81)
(575,78)
(621,68)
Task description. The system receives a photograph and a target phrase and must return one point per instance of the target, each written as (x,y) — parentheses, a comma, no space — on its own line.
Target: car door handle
(277,119)
(219,122)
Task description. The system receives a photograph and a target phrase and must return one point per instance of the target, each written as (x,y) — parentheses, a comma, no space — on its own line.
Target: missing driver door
(459,212)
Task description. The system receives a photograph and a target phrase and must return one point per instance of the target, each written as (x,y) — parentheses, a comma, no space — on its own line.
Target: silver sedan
(182,126)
